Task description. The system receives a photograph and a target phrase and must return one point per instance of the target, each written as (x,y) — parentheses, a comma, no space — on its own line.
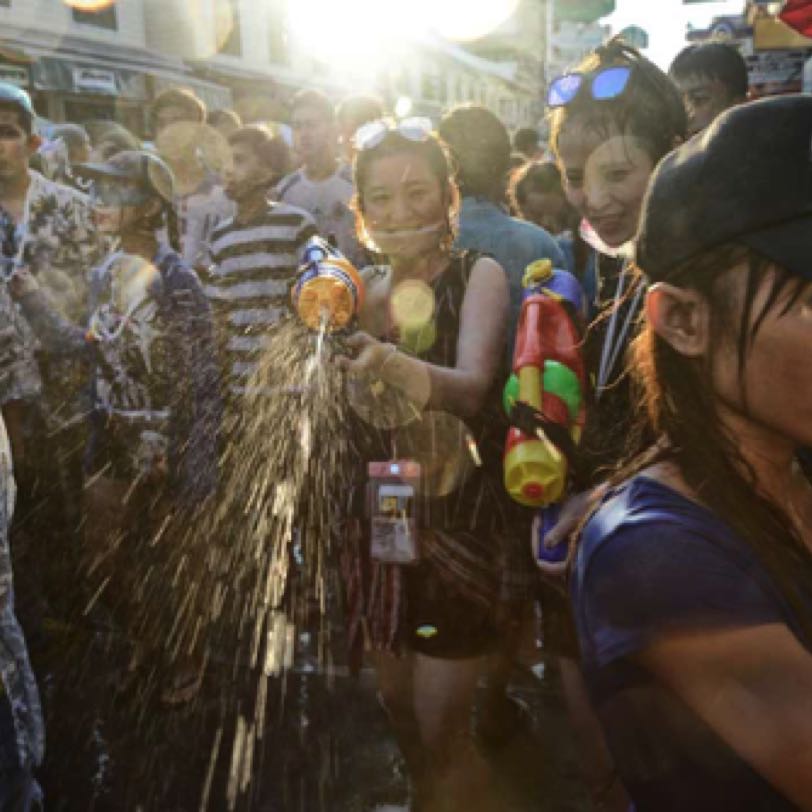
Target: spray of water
(241,589)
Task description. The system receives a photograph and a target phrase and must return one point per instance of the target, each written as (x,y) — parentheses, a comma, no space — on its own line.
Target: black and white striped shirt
(249,281)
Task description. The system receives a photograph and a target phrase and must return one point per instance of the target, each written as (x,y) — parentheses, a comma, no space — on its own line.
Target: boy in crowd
(255,253)
(187,143)
(711,77)
(323,186)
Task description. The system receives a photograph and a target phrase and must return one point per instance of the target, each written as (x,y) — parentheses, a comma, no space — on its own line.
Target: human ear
(680,317)
(34,143)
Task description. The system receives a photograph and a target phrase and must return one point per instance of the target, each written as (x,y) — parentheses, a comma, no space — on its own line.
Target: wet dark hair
(650,108)
(432,150)
(679,406)
(24,118)
(713,60)
(270,149)
(480,147)
(526,140)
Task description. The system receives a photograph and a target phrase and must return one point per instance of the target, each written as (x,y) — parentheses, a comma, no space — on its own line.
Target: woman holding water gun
(422,561)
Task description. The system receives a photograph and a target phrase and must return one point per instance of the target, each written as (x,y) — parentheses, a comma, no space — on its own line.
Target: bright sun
(359,32)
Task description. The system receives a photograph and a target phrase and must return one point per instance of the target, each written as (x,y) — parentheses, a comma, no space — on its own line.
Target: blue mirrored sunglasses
(604,84)
(369,135)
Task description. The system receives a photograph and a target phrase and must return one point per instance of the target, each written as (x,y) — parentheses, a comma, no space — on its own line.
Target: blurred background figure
(480,147)
(323,185)
(351,114)
(526,141)
(197,154)
(107,138)
(536,194)
(225,122)
(711,77)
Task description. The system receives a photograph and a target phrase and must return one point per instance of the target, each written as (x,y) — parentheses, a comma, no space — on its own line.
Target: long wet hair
(650,107)
(679,406)
(436,155)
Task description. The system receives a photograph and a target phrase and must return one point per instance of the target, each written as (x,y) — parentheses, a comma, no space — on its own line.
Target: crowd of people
(145,281)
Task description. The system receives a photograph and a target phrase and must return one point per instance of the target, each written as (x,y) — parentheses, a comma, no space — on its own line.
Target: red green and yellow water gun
(544,396)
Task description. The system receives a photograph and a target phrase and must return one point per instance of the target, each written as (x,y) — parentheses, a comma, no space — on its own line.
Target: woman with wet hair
(692,586)
(612,119)
(432,332)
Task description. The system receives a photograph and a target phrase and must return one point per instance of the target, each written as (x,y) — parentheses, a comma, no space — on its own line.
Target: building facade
(81,65)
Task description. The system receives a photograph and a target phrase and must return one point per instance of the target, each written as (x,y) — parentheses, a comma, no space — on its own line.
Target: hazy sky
(665,21)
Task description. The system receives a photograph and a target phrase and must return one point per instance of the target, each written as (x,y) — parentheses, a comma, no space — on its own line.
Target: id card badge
(393,492)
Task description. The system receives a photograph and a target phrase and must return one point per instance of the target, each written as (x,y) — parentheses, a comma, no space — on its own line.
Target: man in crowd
(711,77)
(322,186)
(194,151)
(480,146)
(48,226)
(255,253)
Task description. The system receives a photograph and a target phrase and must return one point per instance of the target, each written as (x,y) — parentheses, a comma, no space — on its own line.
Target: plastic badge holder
(393,490)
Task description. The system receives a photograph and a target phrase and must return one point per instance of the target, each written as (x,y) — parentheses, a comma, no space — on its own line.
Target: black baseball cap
(747,179)
(147,169)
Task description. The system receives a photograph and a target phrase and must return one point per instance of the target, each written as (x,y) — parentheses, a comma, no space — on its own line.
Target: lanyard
(614,343)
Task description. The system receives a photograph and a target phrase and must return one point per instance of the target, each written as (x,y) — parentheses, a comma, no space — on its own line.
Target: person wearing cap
(51,226)
(692,583)
(152,451)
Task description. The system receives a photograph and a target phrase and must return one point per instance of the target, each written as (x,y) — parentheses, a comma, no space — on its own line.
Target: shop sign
(95,80)
(775,72)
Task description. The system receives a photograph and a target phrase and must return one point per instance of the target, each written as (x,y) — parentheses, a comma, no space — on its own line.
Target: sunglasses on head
(369,135)
(604,84)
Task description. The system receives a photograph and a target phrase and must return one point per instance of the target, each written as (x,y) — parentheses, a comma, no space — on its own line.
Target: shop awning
(75,65)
